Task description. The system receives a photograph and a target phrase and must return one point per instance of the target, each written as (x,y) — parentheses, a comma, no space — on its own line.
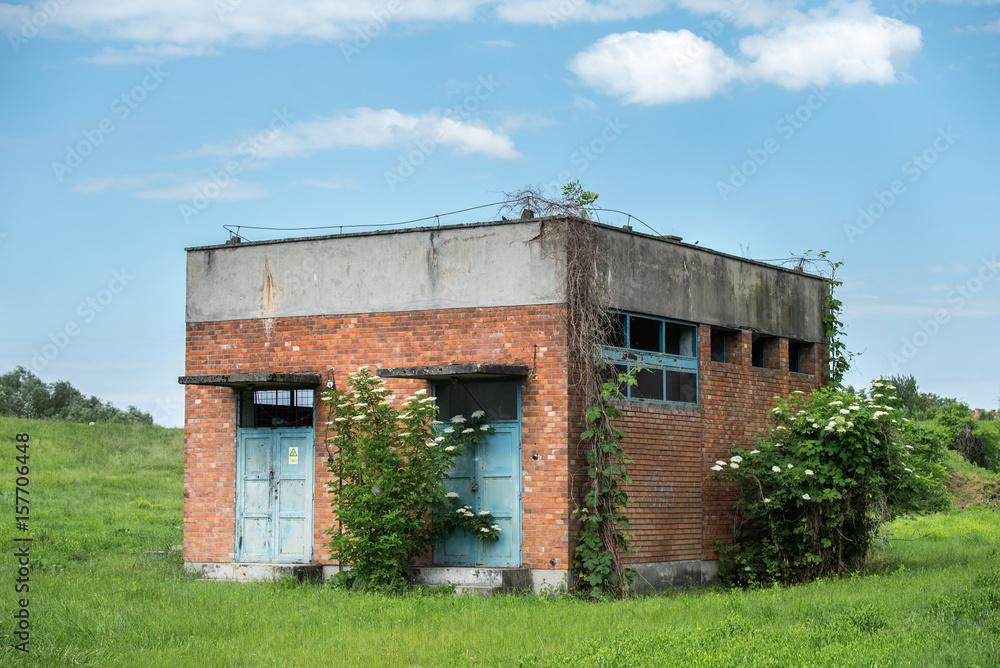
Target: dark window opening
(682,387)
(665,352)
(644,334)
(794,357)
(649,385)
(757,357)
(678,339)
(498,399)
(720,346)
(276,408)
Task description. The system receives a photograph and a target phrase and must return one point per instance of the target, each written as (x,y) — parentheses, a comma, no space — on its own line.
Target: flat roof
(667,239)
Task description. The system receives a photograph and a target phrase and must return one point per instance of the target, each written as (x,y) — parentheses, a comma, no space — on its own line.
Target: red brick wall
(533,336)
(675,513)
(735,404)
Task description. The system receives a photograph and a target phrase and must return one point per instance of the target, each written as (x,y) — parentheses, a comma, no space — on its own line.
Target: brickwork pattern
(676,514)
(531,335)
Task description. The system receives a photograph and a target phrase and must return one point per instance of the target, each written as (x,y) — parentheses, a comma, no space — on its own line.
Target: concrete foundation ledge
(663,575)
(252,572)
(477,580)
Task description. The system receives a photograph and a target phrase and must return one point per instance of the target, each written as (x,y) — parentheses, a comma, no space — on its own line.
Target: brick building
(476,314)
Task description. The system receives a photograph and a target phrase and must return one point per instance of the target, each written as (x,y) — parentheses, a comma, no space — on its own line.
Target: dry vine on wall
(599,556)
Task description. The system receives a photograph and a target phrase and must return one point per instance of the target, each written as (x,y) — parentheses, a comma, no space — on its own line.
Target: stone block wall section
(529,335)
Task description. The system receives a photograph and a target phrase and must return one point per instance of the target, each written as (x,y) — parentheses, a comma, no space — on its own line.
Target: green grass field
(102,495)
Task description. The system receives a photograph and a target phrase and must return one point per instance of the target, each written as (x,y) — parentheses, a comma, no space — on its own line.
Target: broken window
(276,408)
(665,350)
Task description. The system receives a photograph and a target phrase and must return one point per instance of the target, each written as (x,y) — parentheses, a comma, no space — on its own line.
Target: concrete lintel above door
(267,380)
(447,371)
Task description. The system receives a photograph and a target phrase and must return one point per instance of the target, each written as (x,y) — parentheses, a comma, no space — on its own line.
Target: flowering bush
(390,467)
(816,487)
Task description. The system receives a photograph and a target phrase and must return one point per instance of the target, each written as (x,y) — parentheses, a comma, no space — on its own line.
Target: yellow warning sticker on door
(293,455)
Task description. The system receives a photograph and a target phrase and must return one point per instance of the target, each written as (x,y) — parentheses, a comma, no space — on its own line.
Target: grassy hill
(102,495)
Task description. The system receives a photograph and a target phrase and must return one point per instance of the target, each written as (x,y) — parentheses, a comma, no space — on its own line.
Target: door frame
(516,478)
(310,491)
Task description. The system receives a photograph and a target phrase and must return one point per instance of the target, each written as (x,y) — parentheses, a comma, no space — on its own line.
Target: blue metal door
(274,495)
(488,477)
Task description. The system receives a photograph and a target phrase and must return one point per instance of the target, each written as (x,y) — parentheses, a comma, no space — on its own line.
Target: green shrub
(819,483)
(389,495)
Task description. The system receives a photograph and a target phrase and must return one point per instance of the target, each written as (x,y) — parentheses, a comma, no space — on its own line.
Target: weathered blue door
(274,495)
(488,477)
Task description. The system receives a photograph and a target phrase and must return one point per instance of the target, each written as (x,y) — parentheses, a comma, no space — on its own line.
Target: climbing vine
(603,523)
(839,358)
(598,561)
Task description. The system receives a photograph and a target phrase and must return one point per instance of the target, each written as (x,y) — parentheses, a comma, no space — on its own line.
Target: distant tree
(24,395)
(918,405)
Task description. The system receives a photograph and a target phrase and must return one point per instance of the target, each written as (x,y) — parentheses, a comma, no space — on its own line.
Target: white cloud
(989,27)
(555,12)
(216,22)
(184,192)
(845,42)
(655,68)
(373,129)
(503,43)
(167,186)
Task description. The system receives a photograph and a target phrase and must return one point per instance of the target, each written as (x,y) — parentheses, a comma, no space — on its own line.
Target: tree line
(25,395)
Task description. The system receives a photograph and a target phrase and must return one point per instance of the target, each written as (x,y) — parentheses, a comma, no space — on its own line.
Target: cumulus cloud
(845,42)
(655,68)
(371,129)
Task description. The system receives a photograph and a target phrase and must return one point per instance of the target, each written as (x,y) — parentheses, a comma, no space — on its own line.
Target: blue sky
(765,128)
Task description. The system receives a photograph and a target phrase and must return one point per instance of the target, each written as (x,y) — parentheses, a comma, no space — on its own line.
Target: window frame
(616,356)
(248,398)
